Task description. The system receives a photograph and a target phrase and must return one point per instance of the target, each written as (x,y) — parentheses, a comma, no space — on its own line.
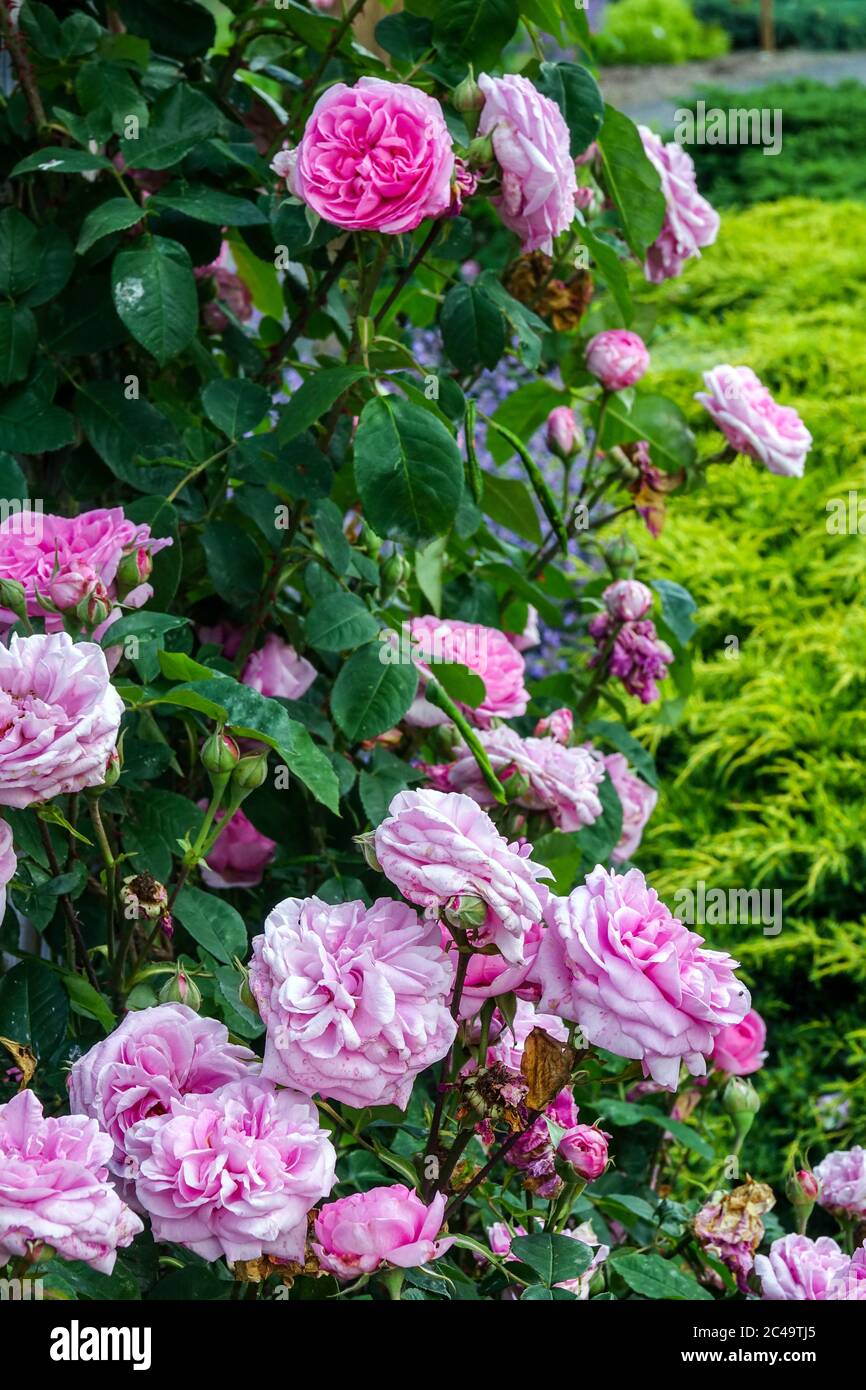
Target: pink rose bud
(95,607)
(180,989)
(563,436)
(740,1048)
(557,725)
(220,755)
(628,600)
(617,358)
(385,1226)
(69,587)
(135,568)
(584,1149)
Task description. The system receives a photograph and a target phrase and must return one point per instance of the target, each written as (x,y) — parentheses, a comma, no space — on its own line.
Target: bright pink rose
(538,773)
(638,802)
(385,1226)
(584,1149)
(54,1187)
(235,1172)
(439,848)
(628,600)
(842,1180)
(375,157)
(563,437)
(240,855)
(531,144)
(59,718)
(617,358)
(753,423)
(484,650)
(798,1269)
(690,222)
(153,1057)
(354,998)
(8,864)
(558,725)
(640,985)
(740,1048)
(276,669)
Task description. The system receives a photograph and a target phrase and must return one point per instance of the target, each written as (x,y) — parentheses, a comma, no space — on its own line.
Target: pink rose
(690,222)
(276,669)
(233,1173)
(842,1180)
(354,999)
(753,423)
(638,802)
(385,1226)
(375,157)
(559,725)
(584,1149)
(54,1187)
(8,863)
(59,718)
(740,1048)
(69,587)
(640,985)
(153,1057)
(798,1269)
(617,358)
(531,144)
(489,976)
(627,600)
(485,651)
(563,438)
(240,855)
(440,848)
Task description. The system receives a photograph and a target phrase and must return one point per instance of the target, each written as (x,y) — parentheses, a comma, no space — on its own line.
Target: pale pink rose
(439,848)
(531,634)
(617,357)
(240,856)
(234,1173)
(59,718)
(753,423)
(153,1057)
(538,773)
(690,221)
(283,164)
(628,600)
(54,1187)
(74,584)
(584,1149)
(488,976)
(558,725)
(842,1180)
(740,1048)
(531,144)
(375,157)
(638,802)
(637,981)
(387,1226)
(8,864)
(276,669)
(485,651)
(354,998)
(563,438)
(798,1269)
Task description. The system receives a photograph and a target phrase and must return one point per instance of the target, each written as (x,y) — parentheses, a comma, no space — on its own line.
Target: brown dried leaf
(24,1060)
(546,1067)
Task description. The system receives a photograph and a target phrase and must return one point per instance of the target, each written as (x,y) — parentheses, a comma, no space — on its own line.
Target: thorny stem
(504,1148)
(15,42)
(312,303)
(74,936)
(110,872)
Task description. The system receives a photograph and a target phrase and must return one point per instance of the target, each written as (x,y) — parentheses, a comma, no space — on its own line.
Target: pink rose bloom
(59,718)
(276,669)
(690,221)
(439,848)
(484,650)
(233,1173)
(153,1057)
(842,1180)
(617,357)
(222,634)
(54,1187)
(798,1269)
(69,587)
(375,157)
(753,423)
(558,725)
(562,433)
(531,634)
(547,776)
(638,802)
(489,976)
(531,144)
(240,855)
(638,657)
(637,981)
(354,999)
(385,1226)
(740,1048)
(584,1149)
(628,600)
(8,863)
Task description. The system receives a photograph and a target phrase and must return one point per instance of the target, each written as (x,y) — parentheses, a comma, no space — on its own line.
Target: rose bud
(220,755)
(617,358)
(802,1190)
(558,725)
(584,1149)
(69,587)
(367,845)
(741,1101)
(181,989)
(564,438)
(466,913)
(135,568)
(621,555)
(95,605)
(250,773)
(627,600)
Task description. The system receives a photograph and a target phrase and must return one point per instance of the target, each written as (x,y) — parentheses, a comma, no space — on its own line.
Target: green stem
(110,873)
(439,697)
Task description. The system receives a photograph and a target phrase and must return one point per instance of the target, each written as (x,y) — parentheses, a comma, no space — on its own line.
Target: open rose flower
(385,1226)
(637,981)
(690,222)
(375,157)
(485,651)
(234,1173)
(617,357)
(240,856)
(739,1049)
(59,718)
(354,998)
(441,848)
(531,145)
(753,423)
(153,1057)
(54,1187)
(277,670)
(488,976)
(799,1270)
(8,863)
(842,1182)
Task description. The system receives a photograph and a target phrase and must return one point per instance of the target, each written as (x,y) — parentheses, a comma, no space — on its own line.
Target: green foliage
(656,31)
(798,23)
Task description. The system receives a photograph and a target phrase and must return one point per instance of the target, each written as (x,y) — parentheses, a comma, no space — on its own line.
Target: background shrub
(656,31)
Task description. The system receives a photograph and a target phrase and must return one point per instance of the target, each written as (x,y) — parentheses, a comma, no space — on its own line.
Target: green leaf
(611,268)
(208,205)
(560,850)
(56,261)
(599,839)
(314,398)
(473,329)
(13,483)
(180,120)
(107,89)
(118,428)
(408,470)
(576,93)
(29,425)
(463,685)
(154,293)
(624,742)
(234,562)
(677,609)
(509,503)
(339,622)
(162,519)
(654,1277)
(631,180)
(53,159)
(476,30)
(144,625)
(115,215)
(74,1281)
(88,1001)
(627,1113)
(553,1258)
(34,1007)
(371,695)
(380,783)
(406,37)
(19,253)
(213,923)
(235,406)
(17,342)
(526,325)
(656,419)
